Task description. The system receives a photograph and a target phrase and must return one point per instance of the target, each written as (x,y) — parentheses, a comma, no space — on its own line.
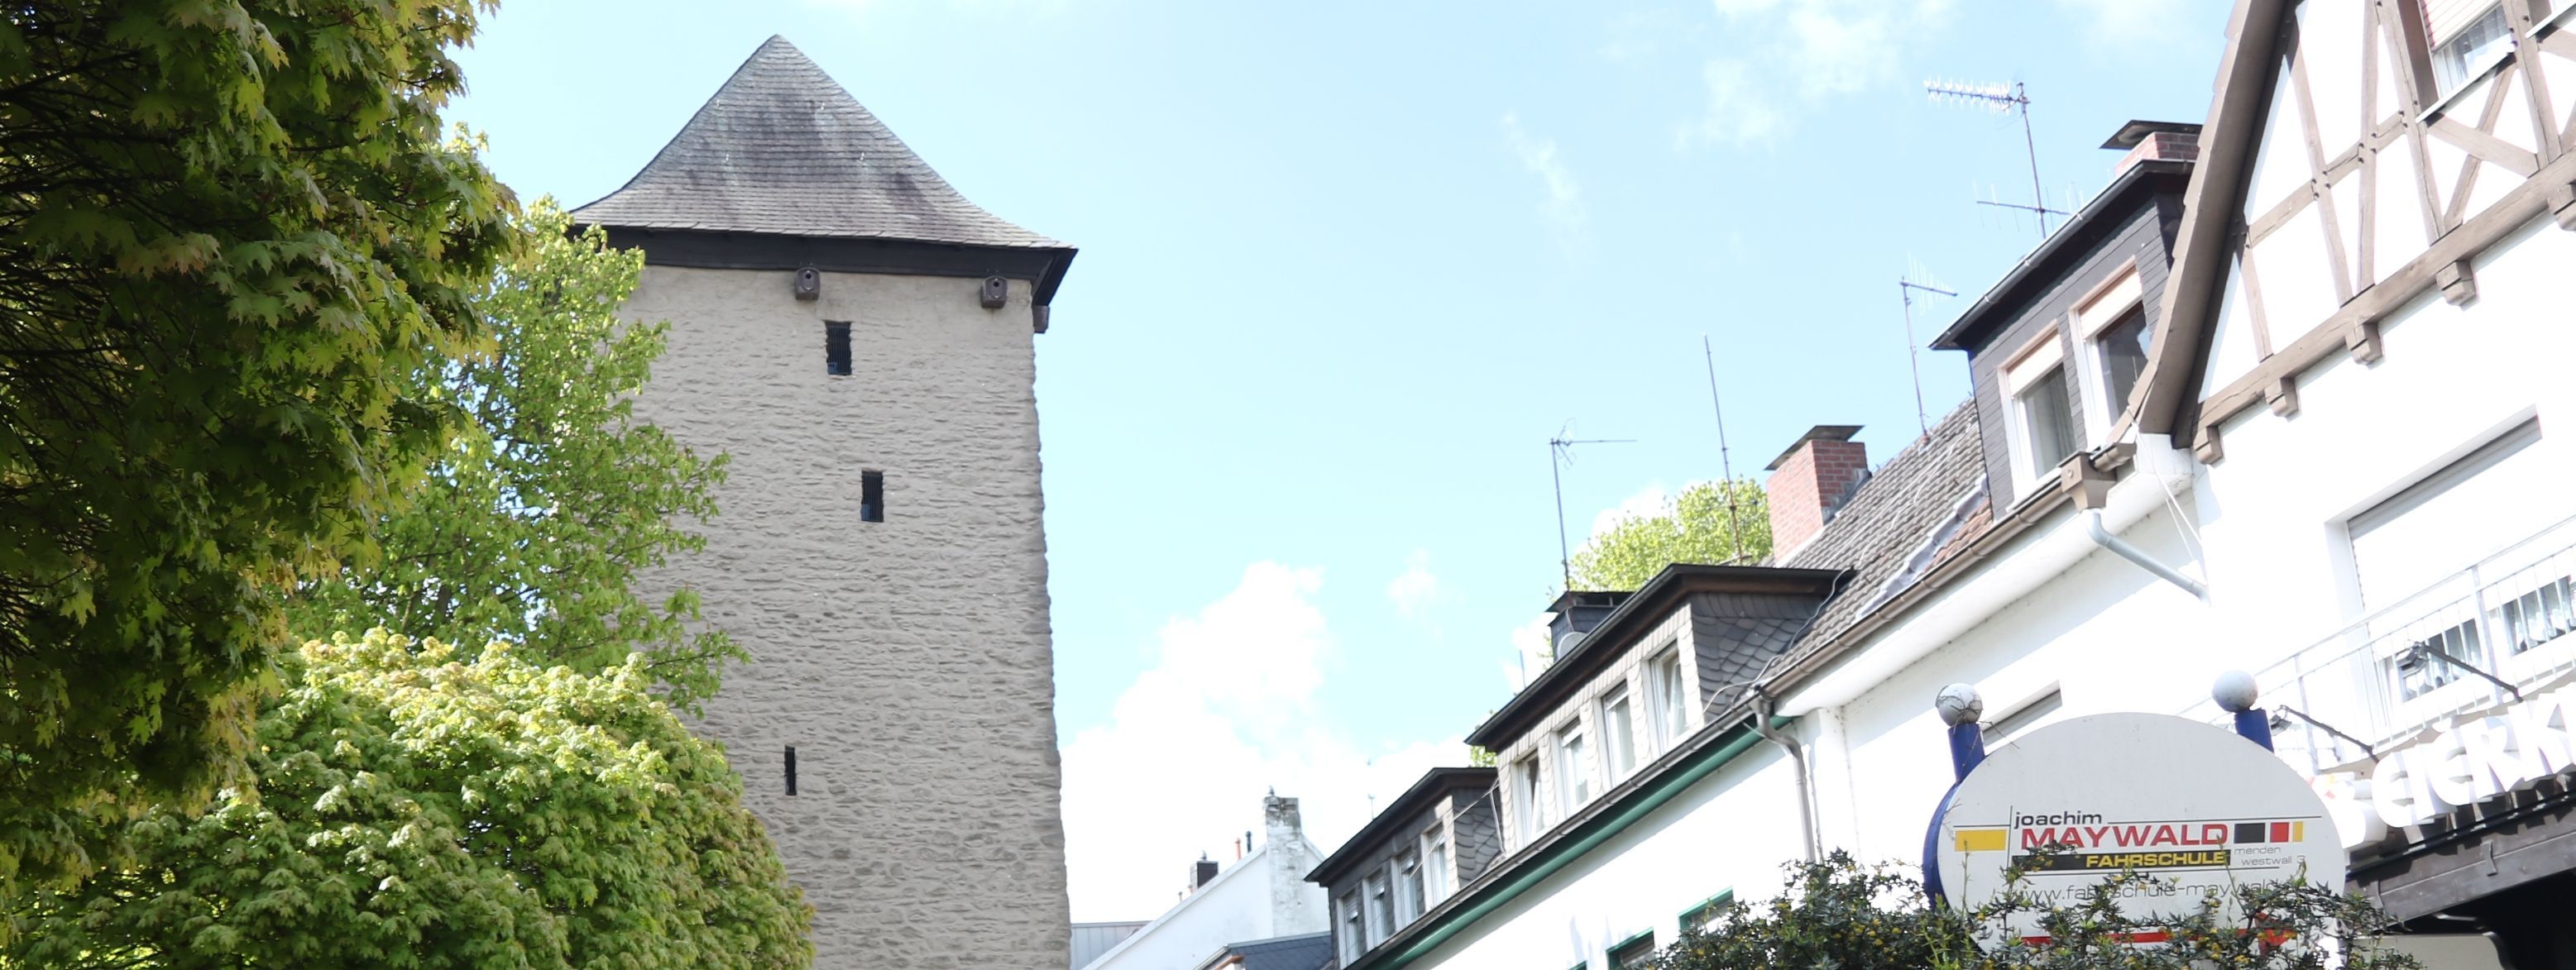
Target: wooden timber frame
(2264,52)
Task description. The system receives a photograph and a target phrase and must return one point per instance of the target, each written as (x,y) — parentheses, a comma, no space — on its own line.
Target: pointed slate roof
(782,150)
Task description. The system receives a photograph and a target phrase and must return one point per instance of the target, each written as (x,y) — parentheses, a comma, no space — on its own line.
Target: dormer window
(1526,823)
(2467,37)
(1670,713)
(1408,887)
(1573,768)
(2113,323)
(1435,865)
(1618,736)
(2042,418)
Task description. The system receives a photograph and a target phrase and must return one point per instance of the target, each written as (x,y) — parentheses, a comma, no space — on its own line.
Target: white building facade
(2286,398)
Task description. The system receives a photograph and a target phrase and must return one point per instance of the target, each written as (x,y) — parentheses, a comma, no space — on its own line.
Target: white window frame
(1437,849)
(2108,304)
(1378,900)
(1571,746)
(2463,42)
(1668,711)
(1407,870)
(1352,929)
(1528,793)
(1618,742)
(2031,366)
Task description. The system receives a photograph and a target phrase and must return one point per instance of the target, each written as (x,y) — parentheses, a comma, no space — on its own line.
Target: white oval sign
(2193,805)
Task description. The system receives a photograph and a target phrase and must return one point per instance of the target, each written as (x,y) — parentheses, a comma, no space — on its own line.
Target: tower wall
(908,661)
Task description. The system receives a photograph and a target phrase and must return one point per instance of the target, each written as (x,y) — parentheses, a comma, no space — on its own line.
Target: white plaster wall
(908,661)
(1240,905)
(1722,833)
(2267,522)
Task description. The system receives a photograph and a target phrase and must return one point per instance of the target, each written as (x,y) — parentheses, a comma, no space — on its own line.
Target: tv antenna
(1560,453)
(1905,285)
(1725,462)
(2001,98)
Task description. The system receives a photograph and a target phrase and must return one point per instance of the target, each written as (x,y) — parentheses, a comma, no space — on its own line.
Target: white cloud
(1653,499)
(2127,25)
(1415,589)
(1793,54)
(1562,210)
(1227,711)
(1531,653)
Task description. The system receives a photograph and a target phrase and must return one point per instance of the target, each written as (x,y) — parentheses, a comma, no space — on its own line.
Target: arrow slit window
(836,348)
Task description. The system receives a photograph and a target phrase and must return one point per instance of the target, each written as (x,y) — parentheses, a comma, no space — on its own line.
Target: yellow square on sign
(1980,840)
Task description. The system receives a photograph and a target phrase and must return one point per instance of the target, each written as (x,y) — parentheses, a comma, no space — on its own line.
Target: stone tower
(860,338)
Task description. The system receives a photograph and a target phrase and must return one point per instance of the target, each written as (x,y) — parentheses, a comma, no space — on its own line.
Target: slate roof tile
(1922,496)
(783,150)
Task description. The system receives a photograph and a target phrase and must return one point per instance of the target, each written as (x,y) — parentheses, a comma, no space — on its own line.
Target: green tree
(1838,913)
(229,229)
(1695,527)
(417,808)
(534,521)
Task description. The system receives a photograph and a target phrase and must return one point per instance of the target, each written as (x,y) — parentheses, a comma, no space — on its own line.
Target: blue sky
(1346,267)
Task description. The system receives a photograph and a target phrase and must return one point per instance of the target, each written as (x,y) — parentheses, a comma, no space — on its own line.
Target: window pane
(1664,693)
(1573,771)
(1381,913)
(1618,736)
(1435,874)
(2470,52)
(1408,888)
(1525,806)
(1354,939)
(2124,356)
(2048,430)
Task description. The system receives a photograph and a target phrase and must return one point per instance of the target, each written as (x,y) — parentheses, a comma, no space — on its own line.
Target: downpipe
(1797,772)
(2121,547)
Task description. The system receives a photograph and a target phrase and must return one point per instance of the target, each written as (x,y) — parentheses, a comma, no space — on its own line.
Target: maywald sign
(2191,805)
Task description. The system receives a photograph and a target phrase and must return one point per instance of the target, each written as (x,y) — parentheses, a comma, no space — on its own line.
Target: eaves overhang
(1631,621)
(1043,267)
(2039,272)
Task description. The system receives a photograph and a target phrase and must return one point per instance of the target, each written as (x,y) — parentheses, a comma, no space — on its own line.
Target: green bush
(416,808)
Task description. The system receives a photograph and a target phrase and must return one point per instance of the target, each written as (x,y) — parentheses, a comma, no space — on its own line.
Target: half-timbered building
(2288,397)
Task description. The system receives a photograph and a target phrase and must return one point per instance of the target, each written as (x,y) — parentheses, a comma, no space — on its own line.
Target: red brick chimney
(1809,483)
(2154,141)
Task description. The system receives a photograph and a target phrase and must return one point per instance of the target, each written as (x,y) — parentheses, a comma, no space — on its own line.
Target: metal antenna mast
(2001,98)
(1725,461)
(1906,286)
(1560,453)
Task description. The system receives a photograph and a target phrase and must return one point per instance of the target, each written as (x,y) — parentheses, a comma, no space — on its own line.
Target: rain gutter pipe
(1797,772)
(2121,547)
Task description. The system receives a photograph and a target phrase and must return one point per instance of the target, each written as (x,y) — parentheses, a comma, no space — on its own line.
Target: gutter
(1553,856)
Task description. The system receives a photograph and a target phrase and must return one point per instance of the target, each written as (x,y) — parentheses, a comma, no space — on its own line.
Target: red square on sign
(2280,832)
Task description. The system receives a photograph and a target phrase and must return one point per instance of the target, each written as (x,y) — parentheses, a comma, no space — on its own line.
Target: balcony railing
(2465,644)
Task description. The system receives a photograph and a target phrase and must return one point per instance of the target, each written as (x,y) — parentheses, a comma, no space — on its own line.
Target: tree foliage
(535,520)
(228,230)
(1694,527)
(417,808)
(1838,913)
